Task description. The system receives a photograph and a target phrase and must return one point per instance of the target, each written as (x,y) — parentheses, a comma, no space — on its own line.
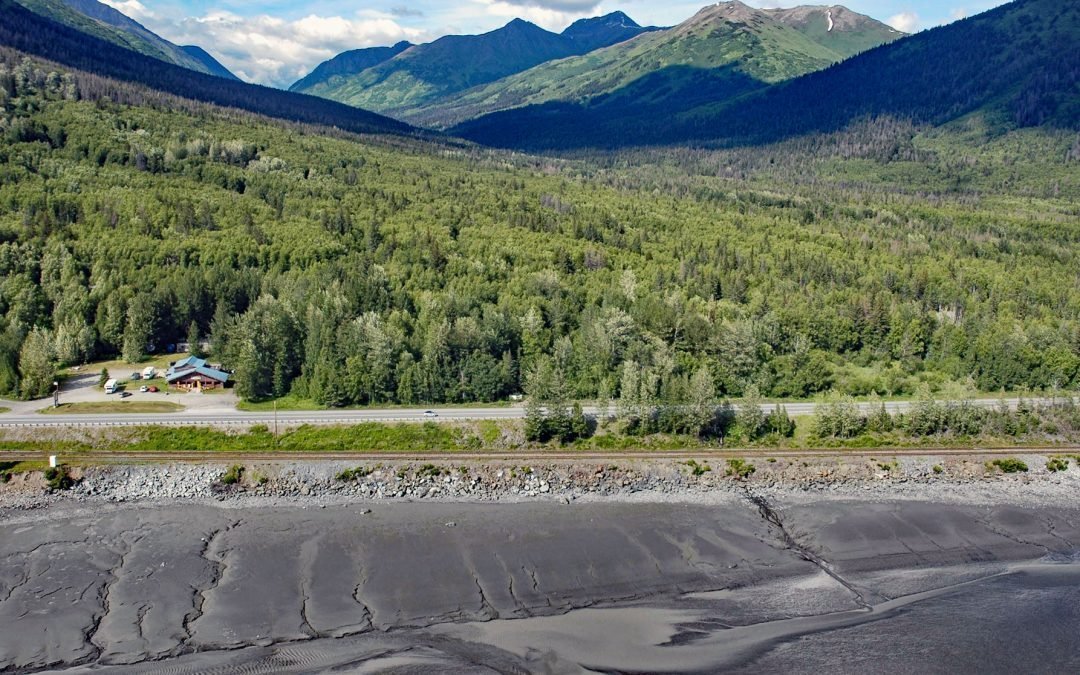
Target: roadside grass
(285,403)
(210,392)
(45,446)
(4,410)
(369,437)
(108,407)
(615,442)
(489,431)
(804,425)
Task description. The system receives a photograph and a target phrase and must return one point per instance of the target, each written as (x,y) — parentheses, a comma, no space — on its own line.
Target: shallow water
(1025,622)
(1022,620)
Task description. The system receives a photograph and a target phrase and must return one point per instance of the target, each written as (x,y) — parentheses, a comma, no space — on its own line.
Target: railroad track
(680,455)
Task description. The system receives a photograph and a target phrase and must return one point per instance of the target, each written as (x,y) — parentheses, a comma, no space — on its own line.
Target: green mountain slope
(213,67)
(724,50)
(331,73)
(104,22)
(1014,65)
(837,27)
(425,74)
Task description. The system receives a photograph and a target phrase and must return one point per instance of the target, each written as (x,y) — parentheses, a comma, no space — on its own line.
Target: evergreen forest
(885,259)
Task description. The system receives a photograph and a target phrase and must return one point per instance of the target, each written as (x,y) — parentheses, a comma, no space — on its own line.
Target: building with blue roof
(192,374)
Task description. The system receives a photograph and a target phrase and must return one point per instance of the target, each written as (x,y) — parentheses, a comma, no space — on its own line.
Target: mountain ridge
(1005,62)
(109,24)
(346,63)
(424,73)
(725,47)
(836,26)
(213,65)
(37,35)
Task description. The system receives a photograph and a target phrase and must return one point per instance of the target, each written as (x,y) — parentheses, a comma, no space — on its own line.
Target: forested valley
(347,270)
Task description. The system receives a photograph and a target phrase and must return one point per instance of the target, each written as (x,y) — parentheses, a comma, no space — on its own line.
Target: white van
(149,373)
(110,387)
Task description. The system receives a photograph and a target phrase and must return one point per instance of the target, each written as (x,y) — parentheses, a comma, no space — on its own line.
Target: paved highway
(345,417)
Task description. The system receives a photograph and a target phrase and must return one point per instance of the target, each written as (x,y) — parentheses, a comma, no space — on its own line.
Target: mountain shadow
(612,120)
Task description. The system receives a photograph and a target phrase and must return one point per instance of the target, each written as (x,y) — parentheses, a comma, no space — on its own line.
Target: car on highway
(144,389)
(125,394)
(430,413)
(153,389)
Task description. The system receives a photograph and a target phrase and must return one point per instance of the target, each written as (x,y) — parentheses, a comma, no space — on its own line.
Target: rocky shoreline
(949,479)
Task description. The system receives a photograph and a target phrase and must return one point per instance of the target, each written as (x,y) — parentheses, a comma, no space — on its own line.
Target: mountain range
(723,51)
(731,74)
(104,22)
(1006,64)
(403,83)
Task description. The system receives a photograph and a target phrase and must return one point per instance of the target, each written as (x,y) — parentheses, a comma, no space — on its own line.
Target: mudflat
(529,587)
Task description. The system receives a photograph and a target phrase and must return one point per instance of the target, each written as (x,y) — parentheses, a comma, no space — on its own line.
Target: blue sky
(276,42)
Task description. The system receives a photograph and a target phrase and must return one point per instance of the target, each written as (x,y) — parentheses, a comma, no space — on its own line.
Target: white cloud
(273,51)
(553,15)
(574,6)
(908,22)
(132,8)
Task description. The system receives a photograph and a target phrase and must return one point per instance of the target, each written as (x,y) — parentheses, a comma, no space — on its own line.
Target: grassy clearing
(4,410)
(107,407)
(122,370)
